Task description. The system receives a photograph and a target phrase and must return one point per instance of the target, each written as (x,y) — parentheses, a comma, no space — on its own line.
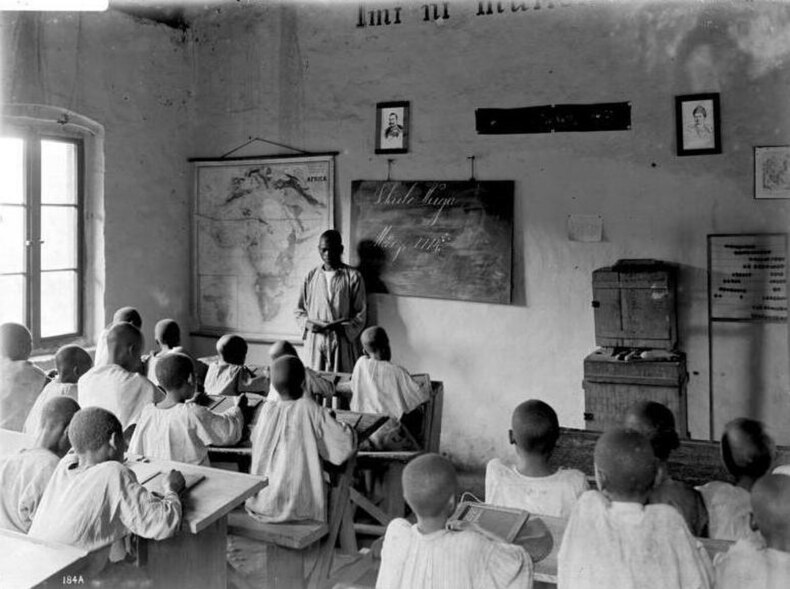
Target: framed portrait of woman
(698,120)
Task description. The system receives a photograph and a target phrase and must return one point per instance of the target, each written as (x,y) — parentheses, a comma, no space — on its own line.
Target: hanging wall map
(256,228)
(440,239)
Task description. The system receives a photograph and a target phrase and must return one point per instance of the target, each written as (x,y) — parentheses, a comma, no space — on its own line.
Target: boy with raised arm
(116,386)
(532,483)
(180,430)
(167,335)
(229,375)
(20,381)
(747,452)
(613,539)
(427,555)
(289,441)
(316,386)
(25,475)
(71,363)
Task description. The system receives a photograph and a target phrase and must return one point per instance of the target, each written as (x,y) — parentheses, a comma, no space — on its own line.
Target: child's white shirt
(729,511)
(23,478)
(553,495)
(382,387)
(117,390)
(20,384)
(751,564)
(53,389)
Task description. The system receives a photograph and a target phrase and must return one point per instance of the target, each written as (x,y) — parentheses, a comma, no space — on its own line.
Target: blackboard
(431,238)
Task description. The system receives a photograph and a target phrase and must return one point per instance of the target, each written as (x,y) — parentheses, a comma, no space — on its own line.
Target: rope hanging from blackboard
(262,140)
(471,159)
(389,169)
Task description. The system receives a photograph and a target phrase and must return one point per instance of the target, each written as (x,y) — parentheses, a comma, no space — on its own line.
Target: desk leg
(190,560)
(394,504)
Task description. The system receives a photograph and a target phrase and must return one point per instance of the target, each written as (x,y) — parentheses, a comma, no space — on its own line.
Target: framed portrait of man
(392,127)
(697,117)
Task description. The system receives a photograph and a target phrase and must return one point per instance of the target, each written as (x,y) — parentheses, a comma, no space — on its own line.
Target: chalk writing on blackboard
(748,277)
(441,239)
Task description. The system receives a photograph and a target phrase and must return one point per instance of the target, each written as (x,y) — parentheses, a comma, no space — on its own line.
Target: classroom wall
(309,77)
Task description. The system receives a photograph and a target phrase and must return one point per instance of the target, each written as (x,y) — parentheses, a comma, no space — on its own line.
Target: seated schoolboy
(94,500)
(167,335)
(290,439)
(20,380)
(613,539)
(427,555)
(379,386)
(24,476)
(747,452)
(532,483)
(122,315)
(752,564)
(656,422)
(177,429)
(229,375)
(71,363)
(116,386)
(315,386)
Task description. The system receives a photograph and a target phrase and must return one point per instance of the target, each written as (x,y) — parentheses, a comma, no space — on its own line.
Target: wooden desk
(195,557)
(27,562)
(12,442)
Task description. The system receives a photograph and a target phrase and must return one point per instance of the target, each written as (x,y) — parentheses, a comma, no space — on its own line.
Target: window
(41,231)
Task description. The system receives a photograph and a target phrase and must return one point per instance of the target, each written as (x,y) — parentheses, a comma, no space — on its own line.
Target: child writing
(229,375)
(289,441)
(751,564)
(20,381)
(94,500)
(315,386)
(426,555)
(379,386)
(167,335)
(24,476)
(532,483)
(613,539)
(176,429)
(116,386)
(656,422)
(747,452)
(71,363)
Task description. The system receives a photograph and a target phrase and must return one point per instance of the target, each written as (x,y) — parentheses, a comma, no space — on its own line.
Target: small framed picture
(392,127)
(698,124)
(772,172)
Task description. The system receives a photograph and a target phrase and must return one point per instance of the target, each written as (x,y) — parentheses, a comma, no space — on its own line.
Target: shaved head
(771,506)
(128,315)
(288,376)
(374,337)
(72,362)
(93,427)
(626,463)
(15,341)
(429,483)
(232,348)
(333,237)
(58,412)
(535,427)
(124,342)
(281,348)
(746,448)
(167,332)
(173,370)
(656,422)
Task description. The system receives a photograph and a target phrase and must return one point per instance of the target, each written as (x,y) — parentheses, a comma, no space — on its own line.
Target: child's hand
(175,482)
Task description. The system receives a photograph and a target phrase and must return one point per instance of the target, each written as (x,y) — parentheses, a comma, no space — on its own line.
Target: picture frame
(698,124)
(772,172)
(392,127)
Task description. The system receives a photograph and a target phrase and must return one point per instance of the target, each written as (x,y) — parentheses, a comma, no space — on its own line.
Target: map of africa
(257,225)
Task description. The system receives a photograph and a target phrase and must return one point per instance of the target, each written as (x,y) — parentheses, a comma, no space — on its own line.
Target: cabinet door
(607,312)
(647,312)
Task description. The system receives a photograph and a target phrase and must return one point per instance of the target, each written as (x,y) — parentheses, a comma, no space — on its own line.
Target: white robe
(729,511)
(748,564)
(153,358)
(53,389)
(288,442)
(345,298)
(94,507)
(117,390)
(554,495)
(622,545)
(449,560)
(20,384)
(315,385)
(232,379)
(182,432)
(23,479)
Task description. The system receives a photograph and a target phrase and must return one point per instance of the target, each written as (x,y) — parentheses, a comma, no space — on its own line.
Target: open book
(502,522)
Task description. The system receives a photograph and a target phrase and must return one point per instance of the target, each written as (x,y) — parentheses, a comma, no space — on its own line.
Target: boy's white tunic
(23,479)
(182,432)
(622,545)
(117,390)
(729,511)
(20,384)
(554,495)
(288,442)
(449,560)
(53,389)
(749,564)
(94,507)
